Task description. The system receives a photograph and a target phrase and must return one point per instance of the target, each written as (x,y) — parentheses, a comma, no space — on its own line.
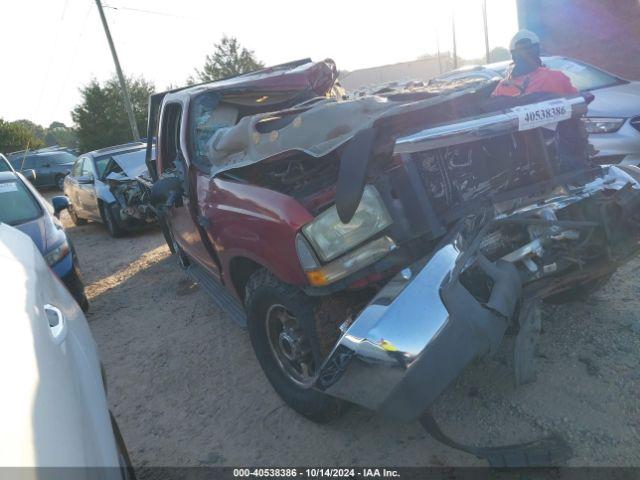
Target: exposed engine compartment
(133,196)
(130,186)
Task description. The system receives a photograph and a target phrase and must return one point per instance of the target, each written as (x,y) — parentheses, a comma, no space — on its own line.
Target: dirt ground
(187,390)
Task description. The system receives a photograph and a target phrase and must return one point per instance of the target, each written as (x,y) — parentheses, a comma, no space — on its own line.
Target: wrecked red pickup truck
(374,247)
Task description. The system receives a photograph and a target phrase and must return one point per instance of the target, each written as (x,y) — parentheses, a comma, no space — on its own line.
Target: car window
(59,158)
(86,170)
(77,168)
(22,162)
(584,77)
(17,204)
(101,164)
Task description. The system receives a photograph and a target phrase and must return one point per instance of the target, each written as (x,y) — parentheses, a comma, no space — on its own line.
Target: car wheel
(60,182)
(115,230)
(281,323)
(75,285)
(128,473)
(74,217)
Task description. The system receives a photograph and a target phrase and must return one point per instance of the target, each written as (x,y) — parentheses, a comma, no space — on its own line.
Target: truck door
(173,158)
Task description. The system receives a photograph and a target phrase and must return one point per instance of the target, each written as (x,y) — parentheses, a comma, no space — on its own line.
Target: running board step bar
(221,297)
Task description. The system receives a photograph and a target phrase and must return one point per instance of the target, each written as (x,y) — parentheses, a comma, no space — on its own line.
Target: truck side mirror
(59,203)
(166,193)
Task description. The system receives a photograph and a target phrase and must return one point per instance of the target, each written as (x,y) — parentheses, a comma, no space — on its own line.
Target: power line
(74,56)
(52,50)
(152,12)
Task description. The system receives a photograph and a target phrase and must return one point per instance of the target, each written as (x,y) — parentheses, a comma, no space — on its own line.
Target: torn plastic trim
(545,452)
(416,336)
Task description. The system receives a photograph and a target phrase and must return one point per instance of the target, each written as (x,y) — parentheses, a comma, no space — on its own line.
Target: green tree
(101,119)
(229,58)
(16,136)
(59,134)
(37,130)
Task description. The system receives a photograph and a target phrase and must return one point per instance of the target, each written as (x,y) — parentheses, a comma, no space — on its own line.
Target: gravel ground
(187,390)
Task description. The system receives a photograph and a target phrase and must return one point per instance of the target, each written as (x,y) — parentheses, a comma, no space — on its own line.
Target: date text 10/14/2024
(316,472)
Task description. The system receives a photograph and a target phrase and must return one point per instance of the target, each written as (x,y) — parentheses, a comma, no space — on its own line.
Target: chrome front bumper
(417,335)
(424,327)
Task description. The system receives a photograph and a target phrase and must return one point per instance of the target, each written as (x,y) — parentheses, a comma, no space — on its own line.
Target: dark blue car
(24,208)
(50,165)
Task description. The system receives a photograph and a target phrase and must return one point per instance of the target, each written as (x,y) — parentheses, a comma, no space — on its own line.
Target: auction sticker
(6,187)
(543,113)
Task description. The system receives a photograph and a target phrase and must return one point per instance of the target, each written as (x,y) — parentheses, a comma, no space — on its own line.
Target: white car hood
(621,101)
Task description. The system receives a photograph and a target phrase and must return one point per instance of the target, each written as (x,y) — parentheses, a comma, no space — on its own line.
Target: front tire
(114,228)
(60,182)
(75,285)
(281,323)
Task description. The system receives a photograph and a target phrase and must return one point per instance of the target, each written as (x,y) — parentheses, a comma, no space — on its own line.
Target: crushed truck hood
(320,126)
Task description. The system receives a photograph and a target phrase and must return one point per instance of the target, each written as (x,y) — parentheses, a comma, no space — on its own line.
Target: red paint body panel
(244,221)
(255,223)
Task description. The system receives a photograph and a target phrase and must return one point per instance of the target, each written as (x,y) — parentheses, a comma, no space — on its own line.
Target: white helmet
(523,35)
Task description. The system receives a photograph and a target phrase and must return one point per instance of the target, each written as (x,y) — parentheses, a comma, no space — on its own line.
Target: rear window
(58,158)
(17,204)
(22,162)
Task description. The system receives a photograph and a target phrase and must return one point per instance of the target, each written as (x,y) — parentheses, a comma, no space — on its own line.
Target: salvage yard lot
(187,390)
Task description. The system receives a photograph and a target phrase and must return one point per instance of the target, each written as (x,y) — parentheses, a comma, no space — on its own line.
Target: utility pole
(439,54)
(486,30)
(453,32)
(123,85)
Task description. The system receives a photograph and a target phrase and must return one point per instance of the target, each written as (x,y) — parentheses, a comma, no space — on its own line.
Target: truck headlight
(57,254)
(331,238)
(321,275)
(602,124)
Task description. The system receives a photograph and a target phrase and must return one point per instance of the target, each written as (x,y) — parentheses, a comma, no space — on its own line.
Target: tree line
(100,119)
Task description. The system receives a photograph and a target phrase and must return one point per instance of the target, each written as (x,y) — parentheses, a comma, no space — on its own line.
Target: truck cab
(375,246)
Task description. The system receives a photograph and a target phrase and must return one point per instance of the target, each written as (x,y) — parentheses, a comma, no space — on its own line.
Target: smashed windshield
(208,116)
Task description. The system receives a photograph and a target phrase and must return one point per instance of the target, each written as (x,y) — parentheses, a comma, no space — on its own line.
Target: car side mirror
(85,179)
(29,174)
(59,203)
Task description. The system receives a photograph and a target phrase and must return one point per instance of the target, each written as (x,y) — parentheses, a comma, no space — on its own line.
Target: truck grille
(635,122)
(464,174)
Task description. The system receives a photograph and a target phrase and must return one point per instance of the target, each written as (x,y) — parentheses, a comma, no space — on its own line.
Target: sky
(50,48)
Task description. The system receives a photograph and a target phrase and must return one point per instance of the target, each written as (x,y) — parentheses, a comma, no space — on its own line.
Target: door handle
(57,323)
